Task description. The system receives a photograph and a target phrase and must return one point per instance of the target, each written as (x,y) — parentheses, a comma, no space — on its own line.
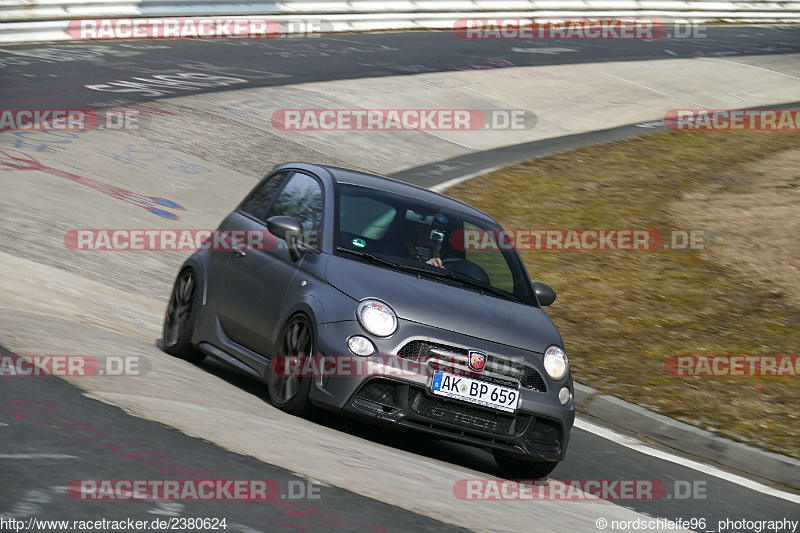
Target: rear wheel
(521,469)
(288,391)
(179,320)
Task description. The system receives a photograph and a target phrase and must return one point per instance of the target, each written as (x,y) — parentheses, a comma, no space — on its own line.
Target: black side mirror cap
(544,293)
(287,228)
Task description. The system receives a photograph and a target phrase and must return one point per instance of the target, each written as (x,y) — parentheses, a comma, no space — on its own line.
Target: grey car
(369,269)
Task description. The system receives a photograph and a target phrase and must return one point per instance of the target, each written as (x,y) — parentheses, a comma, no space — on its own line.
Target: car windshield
(411,235)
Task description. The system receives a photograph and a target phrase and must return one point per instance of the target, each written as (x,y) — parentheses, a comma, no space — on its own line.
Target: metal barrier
(46,20)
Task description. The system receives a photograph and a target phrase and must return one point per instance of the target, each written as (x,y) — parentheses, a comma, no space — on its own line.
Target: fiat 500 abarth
(377,270)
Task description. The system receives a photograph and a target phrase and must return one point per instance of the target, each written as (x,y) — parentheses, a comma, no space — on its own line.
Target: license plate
(475,391)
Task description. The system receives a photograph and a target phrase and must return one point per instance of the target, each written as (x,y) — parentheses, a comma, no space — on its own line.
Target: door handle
(239,252)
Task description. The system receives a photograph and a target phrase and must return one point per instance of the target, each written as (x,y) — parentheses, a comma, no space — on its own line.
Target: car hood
(444,306)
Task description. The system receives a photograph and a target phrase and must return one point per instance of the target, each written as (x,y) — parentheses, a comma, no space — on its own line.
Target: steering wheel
(450,261)
(465,267)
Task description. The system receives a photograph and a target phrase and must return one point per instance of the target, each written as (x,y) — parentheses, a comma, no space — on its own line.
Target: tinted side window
(492,262)
(301,198)
(258,201)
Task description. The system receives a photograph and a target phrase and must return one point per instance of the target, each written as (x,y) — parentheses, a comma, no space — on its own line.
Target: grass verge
(623,313)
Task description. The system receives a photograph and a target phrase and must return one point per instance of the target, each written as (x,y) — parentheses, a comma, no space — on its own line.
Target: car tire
(290,393)
(180,317)
(516,468)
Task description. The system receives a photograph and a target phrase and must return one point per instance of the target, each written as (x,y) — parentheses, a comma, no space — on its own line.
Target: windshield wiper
(371,257)
(485,288)
(380,260)
(437,272)
(441,273)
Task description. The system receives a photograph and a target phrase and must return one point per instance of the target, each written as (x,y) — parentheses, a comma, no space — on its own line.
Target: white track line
(440,188)
(753,66)
(36,456)
(639,446)
(643,86)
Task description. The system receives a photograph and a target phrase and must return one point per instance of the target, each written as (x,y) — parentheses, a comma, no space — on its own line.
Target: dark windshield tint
(411,232)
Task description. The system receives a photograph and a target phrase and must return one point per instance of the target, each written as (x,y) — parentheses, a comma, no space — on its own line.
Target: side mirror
(288,229)
(544,293)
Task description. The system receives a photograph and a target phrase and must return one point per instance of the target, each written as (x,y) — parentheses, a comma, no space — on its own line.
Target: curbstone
(687,438)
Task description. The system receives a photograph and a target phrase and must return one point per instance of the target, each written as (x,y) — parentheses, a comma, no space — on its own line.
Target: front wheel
(179,320)
(289,391)
(521,469)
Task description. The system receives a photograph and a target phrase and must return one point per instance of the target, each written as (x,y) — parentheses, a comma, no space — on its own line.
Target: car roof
(363,179)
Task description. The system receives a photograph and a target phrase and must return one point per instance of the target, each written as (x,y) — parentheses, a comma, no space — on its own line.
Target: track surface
(54,435)
(56,75)
(53,76)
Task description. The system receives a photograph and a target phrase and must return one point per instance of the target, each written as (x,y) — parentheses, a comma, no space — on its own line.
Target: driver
(427,241)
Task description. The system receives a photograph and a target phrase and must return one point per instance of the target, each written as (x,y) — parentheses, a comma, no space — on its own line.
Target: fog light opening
(360,345)
(564,395)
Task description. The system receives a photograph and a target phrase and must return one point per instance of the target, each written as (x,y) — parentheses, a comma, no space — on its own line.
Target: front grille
(544,432)
(527,376)
(466,416)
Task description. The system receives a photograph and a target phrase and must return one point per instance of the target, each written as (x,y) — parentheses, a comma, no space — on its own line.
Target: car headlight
(376,317)
(555,362)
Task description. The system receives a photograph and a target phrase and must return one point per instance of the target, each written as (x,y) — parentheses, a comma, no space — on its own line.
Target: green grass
(623,313)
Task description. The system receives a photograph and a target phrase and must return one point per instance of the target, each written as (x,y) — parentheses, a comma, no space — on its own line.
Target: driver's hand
(436,261)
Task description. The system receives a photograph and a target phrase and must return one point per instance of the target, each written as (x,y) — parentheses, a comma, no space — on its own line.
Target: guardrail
(46,20)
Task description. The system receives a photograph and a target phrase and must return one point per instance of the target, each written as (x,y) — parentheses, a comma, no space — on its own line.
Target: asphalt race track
(29,70)
(202,147)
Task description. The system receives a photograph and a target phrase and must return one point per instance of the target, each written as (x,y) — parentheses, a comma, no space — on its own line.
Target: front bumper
(540,427)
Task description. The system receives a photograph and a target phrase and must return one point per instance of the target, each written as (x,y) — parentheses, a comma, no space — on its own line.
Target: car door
(254,207)
(255,282)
